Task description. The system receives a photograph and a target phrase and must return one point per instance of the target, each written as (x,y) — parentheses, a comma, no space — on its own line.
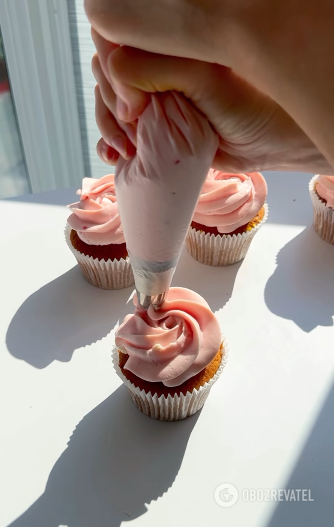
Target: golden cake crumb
(244,228)
(160,389)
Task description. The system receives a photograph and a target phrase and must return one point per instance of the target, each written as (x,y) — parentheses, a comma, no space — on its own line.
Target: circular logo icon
(226,495)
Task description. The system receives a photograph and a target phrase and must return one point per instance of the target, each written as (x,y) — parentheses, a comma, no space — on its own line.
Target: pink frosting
(172,344)
(95,217)
(229,201)
(325,189)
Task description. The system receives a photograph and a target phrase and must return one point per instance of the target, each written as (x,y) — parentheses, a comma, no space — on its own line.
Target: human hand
(255,133)
(283,48)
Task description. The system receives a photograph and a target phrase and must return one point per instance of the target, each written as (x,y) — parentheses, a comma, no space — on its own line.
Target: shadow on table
(68,313)
(215,284)
(302,286)
(117,460)
(314,470)
(62,316)
(288,198)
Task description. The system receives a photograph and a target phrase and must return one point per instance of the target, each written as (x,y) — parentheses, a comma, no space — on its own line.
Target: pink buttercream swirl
(229,201)
(172,344)
(95,217)
(325,189)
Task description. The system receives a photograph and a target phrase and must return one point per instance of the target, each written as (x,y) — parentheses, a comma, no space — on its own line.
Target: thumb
(135,74)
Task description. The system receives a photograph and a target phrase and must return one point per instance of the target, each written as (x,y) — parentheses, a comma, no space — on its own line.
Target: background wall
(13,176)
(83,50)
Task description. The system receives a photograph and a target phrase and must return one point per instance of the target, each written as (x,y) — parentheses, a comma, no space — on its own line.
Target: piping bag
(158,189)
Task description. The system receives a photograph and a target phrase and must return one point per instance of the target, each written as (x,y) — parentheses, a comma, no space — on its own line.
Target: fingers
(131,99)
(135,73)
(106,153)
(107,93)
(111,133)
(109,99)
(232,106)
(103,48)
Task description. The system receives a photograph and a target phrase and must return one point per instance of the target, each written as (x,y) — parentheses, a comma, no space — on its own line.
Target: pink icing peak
(229,201)
(172,344)
(95,189)
(325,189)
(95,217)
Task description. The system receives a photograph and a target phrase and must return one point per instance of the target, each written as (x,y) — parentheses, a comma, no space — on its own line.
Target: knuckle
(116,64)
(95,63)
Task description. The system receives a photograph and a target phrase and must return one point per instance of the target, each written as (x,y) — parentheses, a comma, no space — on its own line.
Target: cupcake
(230,210)
(170,358)
(95,235)
(322,196)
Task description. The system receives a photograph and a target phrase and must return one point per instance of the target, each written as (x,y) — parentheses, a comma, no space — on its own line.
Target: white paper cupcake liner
(110,274)
(171,408)
(221,249)
(323,216)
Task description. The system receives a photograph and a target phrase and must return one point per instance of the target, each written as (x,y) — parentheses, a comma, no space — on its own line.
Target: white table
(74,450)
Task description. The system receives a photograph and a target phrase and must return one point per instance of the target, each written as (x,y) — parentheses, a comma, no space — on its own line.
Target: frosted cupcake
(170,358)
(229,212)
(322,196)
(95,235)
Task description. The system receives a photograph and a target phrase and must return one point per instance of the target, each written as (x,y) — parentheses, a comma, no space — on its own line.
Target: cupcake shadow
(117,460)
(214,284)
(62,316)
(302,287)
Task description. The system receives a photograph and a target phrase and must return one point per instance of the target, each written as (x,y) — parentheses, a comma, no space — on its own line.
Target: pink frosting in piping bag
(95,217)
(229,201)
(173,343)
(325,189)
(157,189)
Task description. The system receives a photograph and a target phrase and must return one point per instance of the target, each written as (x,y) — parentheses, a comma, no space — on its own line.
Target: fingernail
(108,154)
(119,143)
(105,155)
(122,109)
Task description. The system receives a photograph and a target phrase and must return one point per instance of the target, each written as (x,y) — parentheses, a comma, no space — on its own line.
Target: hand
(255,133)
(170,27)
(283,48)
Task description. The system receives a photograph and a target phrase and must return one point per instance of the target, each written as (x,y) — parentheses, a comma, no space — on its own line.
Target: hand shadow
(214,284)
(62,316)
(302,287)
(117,460)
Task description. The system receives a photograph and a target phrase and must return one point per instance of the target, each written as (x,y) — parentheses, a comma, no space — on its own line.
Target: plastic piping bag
(157,190)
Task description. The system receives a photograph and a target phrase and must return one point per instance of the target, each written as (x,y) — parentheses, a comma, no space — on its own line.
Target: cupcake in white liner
(229,212)
(95,235)
(169,359)
(322,196)
(110,274)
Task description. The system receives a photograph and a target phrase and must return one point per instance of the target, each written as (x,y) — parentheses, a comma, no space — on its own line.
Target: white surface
(37,44)
(76,452)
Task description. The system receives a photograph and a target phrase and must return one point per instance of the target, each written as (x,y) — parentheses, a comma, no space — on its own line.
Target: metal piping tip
(155,300)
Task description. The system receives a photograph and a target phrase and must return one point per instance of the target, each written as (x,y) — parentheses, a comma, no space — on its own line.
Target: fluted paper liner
(171,408)
(323,216)
(221,249)
(110,274)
